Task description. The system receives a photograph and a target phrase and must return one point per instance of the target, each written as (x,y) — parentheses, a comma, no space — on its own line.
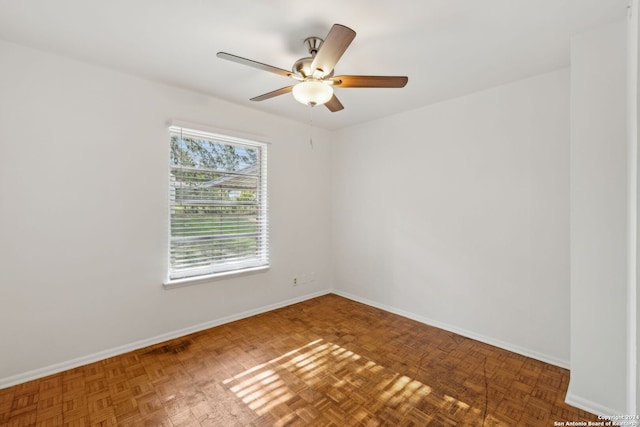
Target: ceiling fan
(315,73)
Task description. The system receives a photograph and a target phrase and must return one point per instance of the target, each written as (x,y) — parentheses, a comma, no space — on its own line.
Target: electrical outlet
(295,281)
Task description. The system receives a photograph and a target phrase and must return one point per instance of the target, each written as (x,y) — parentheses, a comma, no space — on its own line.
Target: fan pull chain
(311,126)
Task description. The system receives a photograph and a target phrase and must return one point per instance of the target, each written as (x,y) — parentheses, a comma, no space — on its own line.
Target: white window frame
(176,277)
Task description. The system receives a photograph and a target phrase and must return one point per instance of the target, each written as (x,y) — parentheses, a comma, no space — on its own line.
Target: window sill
(188,281)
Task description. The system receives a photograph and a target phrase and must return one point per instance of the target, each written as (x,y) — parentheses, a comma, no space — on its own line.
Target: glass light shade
(312,92)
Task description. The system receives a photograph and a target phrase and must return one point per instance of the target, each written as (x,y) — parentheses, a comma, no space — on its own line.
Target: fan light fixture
(312,92)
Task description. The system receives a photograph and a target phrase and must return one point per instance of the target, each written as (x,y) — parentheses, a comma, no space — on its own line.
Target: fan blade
(272,94)
(334,45)
(370,81)
(334,104)
(254,64)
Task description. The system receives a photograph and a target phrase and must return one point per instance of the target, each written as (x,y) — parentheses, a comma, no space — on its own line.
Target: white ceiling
(447,47)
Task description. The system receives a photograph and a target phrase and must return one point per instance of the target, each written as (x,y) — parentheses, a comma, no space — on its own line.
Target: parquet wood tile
(328,361)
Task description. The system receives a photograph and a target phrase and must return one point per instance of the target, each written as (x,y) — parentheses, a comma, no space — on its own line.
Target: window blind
(218,204)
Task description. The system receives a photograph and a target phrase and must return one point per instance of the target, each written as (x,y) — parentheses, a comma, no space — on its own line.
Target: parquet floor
(328,361)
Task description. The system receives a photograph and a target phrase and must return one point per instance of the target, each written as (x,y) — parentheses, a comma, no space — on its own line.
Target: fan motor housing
(302,67)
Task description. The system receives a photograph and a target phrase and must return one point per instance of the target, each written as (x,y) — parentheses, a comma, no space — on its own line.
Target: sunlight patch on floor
(328,376)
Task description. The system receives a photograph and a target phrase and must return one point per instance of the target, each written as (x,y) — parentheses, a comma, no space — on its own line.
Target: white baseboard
(589,406)
(101,355)
(570,399)
(478,337)
(95,357)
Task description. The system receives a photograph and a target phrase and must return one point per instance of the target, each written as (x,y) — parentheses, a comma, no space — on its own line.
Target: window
(218,204)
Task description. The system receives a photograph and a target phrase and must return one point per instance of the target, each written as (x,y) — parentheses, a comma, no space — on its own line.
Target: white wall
(599,221)
(457,214)
(84,212)
(633,46)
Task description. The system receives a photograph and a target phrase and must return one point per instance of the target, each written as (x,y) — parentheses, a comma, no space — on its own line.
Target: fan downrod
(313,45)
(302,66)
